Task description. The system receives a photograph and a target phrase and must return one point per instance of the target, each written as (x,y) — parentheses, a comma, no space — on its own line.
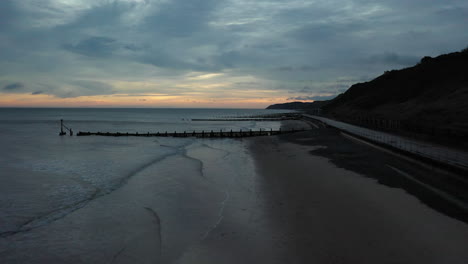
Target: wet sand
(316,197)
(326,214)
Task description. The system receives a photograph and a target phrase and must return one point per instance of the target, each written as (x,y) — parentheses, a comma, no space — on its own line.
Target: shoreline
(294,198)
(336,205)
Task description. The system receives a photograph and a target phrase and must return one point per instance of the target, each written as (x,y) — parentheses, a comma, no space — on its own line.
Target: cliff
(429,98)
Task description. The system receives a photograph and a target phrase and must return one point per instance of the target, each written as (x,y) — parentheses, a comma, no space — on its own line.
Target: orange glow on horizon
(146,100)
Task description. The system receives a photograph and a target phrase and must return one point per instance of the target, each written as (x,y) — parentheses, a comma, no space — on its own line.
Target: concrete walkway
(432,151)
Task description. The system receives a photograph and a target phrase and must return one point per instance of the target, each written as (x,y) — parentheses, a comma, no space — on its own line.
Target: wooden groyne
(198,134)
(267,117)
(244,119)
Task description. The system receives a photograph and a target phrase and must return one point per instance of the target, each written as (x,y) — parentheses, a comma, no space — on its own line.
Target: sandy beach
(307,197)
(327,214)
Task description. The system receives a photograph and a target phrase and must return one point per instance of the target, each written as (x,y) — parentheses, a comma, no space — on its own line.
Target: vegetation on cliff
(429,98)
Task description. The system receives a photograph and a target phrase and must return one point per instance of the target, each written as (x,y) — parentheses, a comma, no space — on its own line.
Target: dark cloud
(7,13)
(231,59)
(298,68)
(306,68)
(459,13)
(285,68)
(13,86)
(305,89)
(181,18)
(324,32)
(132,47)
(85,87)
(105,17)
(37,92)
(94,47)
(391,58)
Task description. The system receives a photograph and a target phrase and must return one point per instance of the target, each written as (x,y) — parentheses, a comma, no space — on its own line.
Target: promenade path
(431,151)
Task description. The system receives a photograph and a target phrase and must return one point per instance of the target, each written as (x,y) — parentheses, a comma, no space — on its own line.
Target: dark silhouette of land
(430,99)
(300,105)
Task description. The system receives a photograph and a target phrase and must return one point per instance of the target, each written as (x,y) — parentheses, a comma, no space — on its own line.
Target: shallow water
(186,200)
(59,196)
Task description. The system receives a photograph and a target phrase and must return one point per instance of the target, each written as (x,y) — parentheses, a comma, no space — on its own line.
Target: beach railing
(427,150)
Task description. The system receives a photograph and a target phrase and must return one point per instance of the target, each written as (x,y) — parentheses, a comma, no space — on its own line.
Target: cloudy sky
(212,53)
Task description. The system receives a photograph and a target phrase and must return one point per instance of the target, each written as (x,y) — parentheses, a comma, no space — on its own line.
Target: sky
(212,53)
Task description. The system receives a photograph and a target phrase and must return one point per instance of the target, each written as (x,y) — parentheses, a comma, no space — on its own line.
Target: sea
(82,199)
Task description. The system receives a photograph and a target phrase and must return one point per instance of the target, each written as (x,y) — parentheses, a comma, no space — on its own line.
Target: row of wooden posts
(246,119)
(202,134)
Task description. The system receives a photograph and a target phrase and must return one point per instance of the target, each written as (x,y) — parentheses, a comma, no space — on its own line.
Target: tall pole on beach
(63,126)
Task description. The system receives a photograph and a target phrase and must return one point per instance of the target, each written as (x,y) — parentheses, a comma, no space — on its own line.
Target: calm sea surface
(54,188)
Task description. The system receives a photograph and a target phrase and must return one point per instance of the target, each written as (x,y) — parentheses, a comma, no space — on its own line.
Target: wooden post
(61,128)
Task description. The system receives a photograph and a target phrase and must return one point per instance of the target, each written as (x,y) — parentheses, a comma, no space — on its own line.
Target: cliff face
(431,96)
